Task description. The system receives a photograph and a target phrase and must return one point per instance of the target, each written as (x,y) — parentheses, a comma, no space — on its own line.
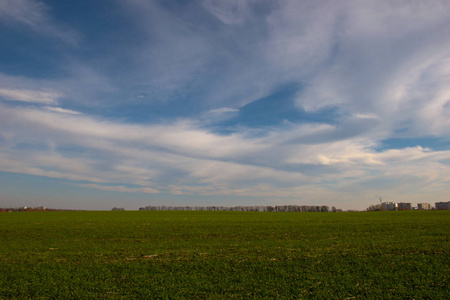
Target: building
(423,206)
(404,206)
(389,205)
(442,205)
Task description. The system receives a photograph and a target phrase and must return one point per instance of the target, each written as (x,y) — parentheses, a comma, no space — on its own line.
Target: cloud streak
(31,96)
(34,15)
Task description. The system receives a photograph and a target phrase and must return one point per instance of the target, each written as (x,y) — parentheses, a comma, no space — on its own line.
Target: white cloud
(32,96)
(63,110)
(390,61)
(47,165)
(367,116)
(180,159)
(119,188)
(302,35)
(223,110)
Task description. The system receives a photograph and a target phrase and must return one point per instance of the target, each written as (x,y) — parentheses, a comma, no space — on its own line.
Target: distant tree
(259,208)
(324,208)
(117,208)
(377,207)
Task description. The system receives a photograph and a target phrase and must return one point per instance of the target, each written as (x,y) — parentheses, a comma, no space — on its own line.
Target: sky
(132,103)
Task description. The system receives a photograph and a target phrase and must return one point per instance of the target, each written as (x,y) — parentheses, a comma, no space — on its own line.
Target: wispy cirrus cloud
(62,110)
(230,12)
(376,69)
(35,15)
(223,110)
(30,96)
(120,188)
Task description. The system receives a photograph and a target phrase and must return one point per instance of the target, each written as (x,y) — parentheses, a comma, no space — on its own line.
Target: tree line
(261,208)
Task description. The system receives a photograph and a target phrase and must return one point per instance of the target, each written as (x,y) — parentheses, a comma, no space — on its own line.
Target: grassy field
(211,255)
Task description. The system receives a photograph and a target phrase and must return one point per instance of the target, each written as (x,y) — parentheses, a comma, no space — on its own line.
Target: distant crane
(380,198)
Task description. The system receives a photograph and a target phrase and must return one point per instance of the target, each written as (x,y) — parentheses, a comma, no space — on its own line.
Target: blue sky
(240,102)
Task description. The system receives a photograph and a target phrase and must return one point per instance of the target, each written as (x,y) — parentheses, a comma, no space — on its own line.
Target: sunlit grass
(190,254)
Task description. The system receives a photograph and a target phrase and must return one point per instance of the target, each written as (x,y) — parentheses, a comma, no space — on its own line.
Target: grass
(214,255)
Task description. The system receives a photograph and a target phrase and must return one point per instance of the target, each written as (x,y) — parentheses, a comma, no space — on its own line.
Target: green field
(211,255)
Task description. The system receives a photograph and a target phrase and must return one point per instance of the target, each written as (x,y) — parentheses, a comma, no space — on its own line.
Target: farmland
(211,255)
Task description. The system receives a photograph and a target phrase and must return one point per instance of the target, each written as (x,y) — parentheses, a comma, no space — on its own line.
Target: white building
(423,206)
(389,205)
(442,205)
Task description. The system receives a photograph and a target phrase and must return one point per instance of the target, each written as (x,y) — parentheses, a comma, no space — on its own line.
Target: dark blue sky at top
(108,39)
